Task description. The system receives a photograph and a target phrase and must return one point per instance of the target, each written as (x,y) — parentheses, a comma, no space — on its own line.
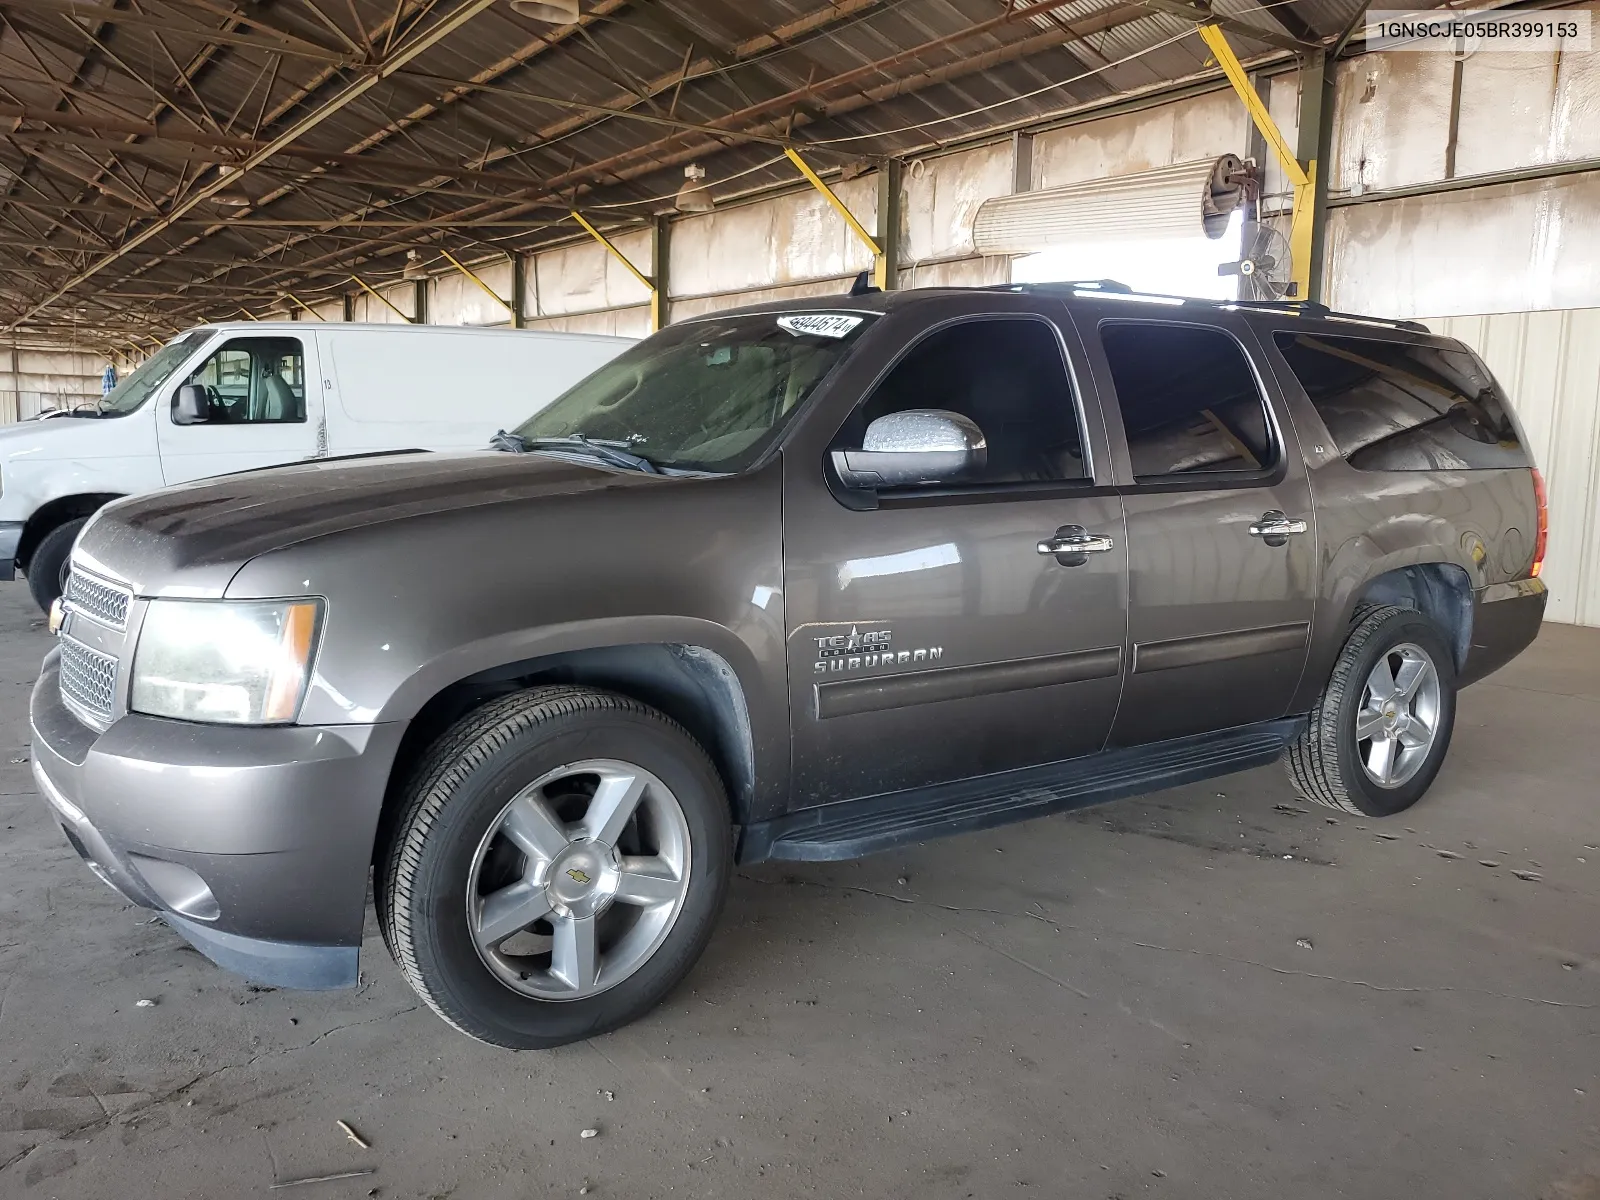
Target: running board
(853,828)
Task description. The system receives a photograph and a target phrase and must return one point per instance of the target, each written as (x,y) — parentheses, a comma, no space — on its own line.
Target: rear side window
(1190,403)
(1394,406)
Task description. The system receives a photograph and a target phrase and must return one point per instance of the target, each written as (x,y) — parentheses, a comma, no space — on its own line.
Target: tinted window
(1189,400)
(1393,406)
(1008,376)
(252,381)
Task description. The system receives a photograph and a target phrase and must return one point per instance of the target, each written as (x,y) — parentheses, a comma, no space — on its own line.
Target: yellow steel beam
(880,265)
(1302,176)
(493,295)
(655,292)
(304,305)
(364,287)
(248,313)
(1217,42)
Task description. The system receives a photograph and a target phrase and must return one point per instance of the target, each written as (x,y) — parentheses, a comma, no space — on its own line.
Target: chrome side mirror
(919,446)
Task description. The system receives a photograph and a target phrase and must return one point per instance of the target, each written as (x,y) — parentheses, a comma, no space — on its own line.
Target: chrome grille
(88,678)
(104,602)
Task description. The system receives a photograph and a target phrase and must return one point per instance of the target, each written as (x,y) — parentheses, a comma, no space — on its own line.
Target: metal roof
(162,158)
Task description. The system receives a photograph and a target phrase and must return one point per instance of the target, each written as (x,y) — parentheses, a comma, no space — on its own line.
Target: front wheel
(558,863)
(47,569)
(1379,734)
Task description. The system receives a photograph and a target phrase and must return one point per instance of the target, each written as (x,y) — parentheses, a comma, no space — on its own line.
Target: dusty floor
(1211,992)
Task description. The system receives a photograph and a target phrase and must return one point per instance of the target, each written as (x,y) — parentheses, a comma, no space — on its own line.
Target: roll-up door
(1186,200)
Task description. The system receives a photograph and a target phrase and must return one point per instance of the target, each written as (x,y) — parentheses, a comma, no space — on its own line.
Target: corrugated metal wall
(34,379)
(1549,363)
(1504,247)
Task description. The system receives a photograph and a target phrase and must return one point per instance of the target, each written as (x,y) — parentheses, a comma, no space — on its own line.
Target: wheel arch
(1425,576)
(54,513)
(692,683)
(1441,591)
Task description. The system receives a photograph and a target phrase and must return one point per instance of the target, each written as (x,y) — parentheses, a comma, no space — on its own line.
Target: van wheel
(559,860)
(47,569)
(1380,732)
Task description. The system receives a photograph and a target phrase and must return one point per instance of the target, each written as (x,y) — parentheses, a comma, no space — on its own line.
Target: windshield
(706,395)
(152,373)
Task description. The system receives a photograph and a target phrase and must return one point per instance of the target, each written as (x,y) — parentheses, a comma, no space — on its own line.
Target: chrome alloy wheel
(1399,715)
(579,880)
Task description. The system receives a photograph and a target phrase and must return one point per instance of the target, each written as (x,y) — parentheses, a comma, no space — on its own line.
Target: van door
(261,410)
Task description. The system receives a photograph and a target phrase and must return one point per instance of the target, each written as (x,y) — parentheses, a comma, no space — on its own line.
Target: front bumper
(254,842)
(10,539)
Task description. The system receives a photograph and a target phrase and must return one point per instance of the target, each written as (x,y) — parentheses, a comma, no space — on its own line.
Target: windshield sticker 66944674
(829,325)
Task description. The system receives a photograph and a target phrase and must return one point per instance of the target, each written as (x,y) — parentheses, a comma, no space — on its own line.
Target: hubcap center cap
(582,879)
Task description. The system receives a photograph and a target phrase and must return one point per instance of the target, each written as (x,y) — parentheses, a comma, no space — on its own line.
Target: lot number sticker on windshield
(830,325)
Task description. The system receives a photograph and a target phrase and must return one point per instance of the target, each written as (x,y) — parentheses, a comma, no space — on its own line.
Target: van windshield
(152,373)
(707,395)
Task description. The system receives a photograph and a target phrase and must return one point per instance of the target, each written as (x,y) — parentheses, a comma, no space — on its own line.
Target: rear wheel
(47,569)
(557,867)
(1380,732)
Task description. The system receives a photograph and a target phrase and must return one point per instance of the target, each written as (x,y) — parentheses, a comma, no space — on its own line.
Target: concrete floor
(1210,992)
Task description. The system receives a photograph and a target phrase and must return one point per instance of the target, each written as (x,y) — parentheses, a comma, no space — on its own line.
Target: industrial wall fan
(1263,266)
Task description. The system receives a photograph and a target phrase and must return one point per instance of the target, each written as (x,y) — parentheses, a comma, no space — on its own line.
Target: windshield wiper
(511,443)
(604,451)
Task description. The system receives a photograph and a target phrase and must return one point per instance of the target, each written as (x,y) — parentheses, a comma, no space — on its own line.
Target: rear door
(1222,552)
(261,411)
(929,639)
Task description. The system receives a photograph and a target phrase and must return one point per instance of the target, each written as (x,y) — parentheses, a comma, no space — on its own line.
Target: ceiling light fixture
(415,267)
(556,12)
(694,196)
(230,197)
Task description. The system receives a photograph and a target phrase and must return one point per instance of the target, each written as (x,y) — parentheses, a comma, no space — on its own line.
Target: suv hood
(191,540)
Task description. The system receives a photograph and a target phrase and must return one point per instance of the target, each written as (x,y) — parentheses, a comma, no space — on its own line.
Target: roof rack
(1310,308)
(1298,308)
(1067,285)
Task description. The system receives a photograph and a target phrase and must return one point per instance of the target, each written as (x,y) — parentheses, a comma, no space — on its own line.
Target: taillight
(1542,498)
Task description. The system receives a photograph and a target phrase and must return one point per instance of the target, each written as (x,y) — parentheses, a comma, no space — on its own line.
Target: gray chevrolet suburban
(802,581)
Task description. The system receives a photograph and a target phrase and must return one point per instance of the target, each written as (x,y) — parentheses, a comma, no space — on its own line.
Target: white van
(232,397)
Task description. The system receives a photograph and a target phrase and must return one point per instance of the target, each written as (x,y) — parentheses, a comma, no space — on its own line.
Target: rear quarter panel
(1371,522)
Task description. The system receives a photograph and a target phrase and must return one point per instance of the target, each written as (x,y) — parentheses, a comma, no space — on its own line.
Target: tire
(47,569)
(1329,764)
(497,808)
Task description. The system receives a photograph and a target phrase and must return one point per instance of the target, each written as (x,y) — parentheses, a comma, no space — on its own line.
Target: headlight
(240,662)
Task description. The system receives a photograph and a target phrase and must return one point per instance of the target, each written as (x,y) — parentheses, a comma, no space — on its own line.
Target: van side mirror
(919,446)
(190,406)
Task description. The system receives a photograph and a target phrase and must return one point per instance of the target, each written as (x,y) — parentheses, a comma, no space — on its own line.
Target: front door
(1221,540)
(929,638)
(260,411)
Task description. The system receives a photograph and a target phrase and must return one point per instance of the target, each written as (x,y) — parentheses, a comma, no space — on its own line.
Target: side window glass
(1008,376)
(1396,406)
(1189,400)
(254,381)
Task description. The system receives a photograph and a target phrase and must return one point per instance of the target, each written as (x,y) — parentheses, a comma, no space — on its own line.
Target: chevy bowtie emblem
(578,875)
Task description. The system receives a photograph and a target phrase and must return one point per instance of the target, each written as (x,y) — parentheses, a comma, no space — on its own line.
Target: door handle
(1275,528)
(1072,545)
